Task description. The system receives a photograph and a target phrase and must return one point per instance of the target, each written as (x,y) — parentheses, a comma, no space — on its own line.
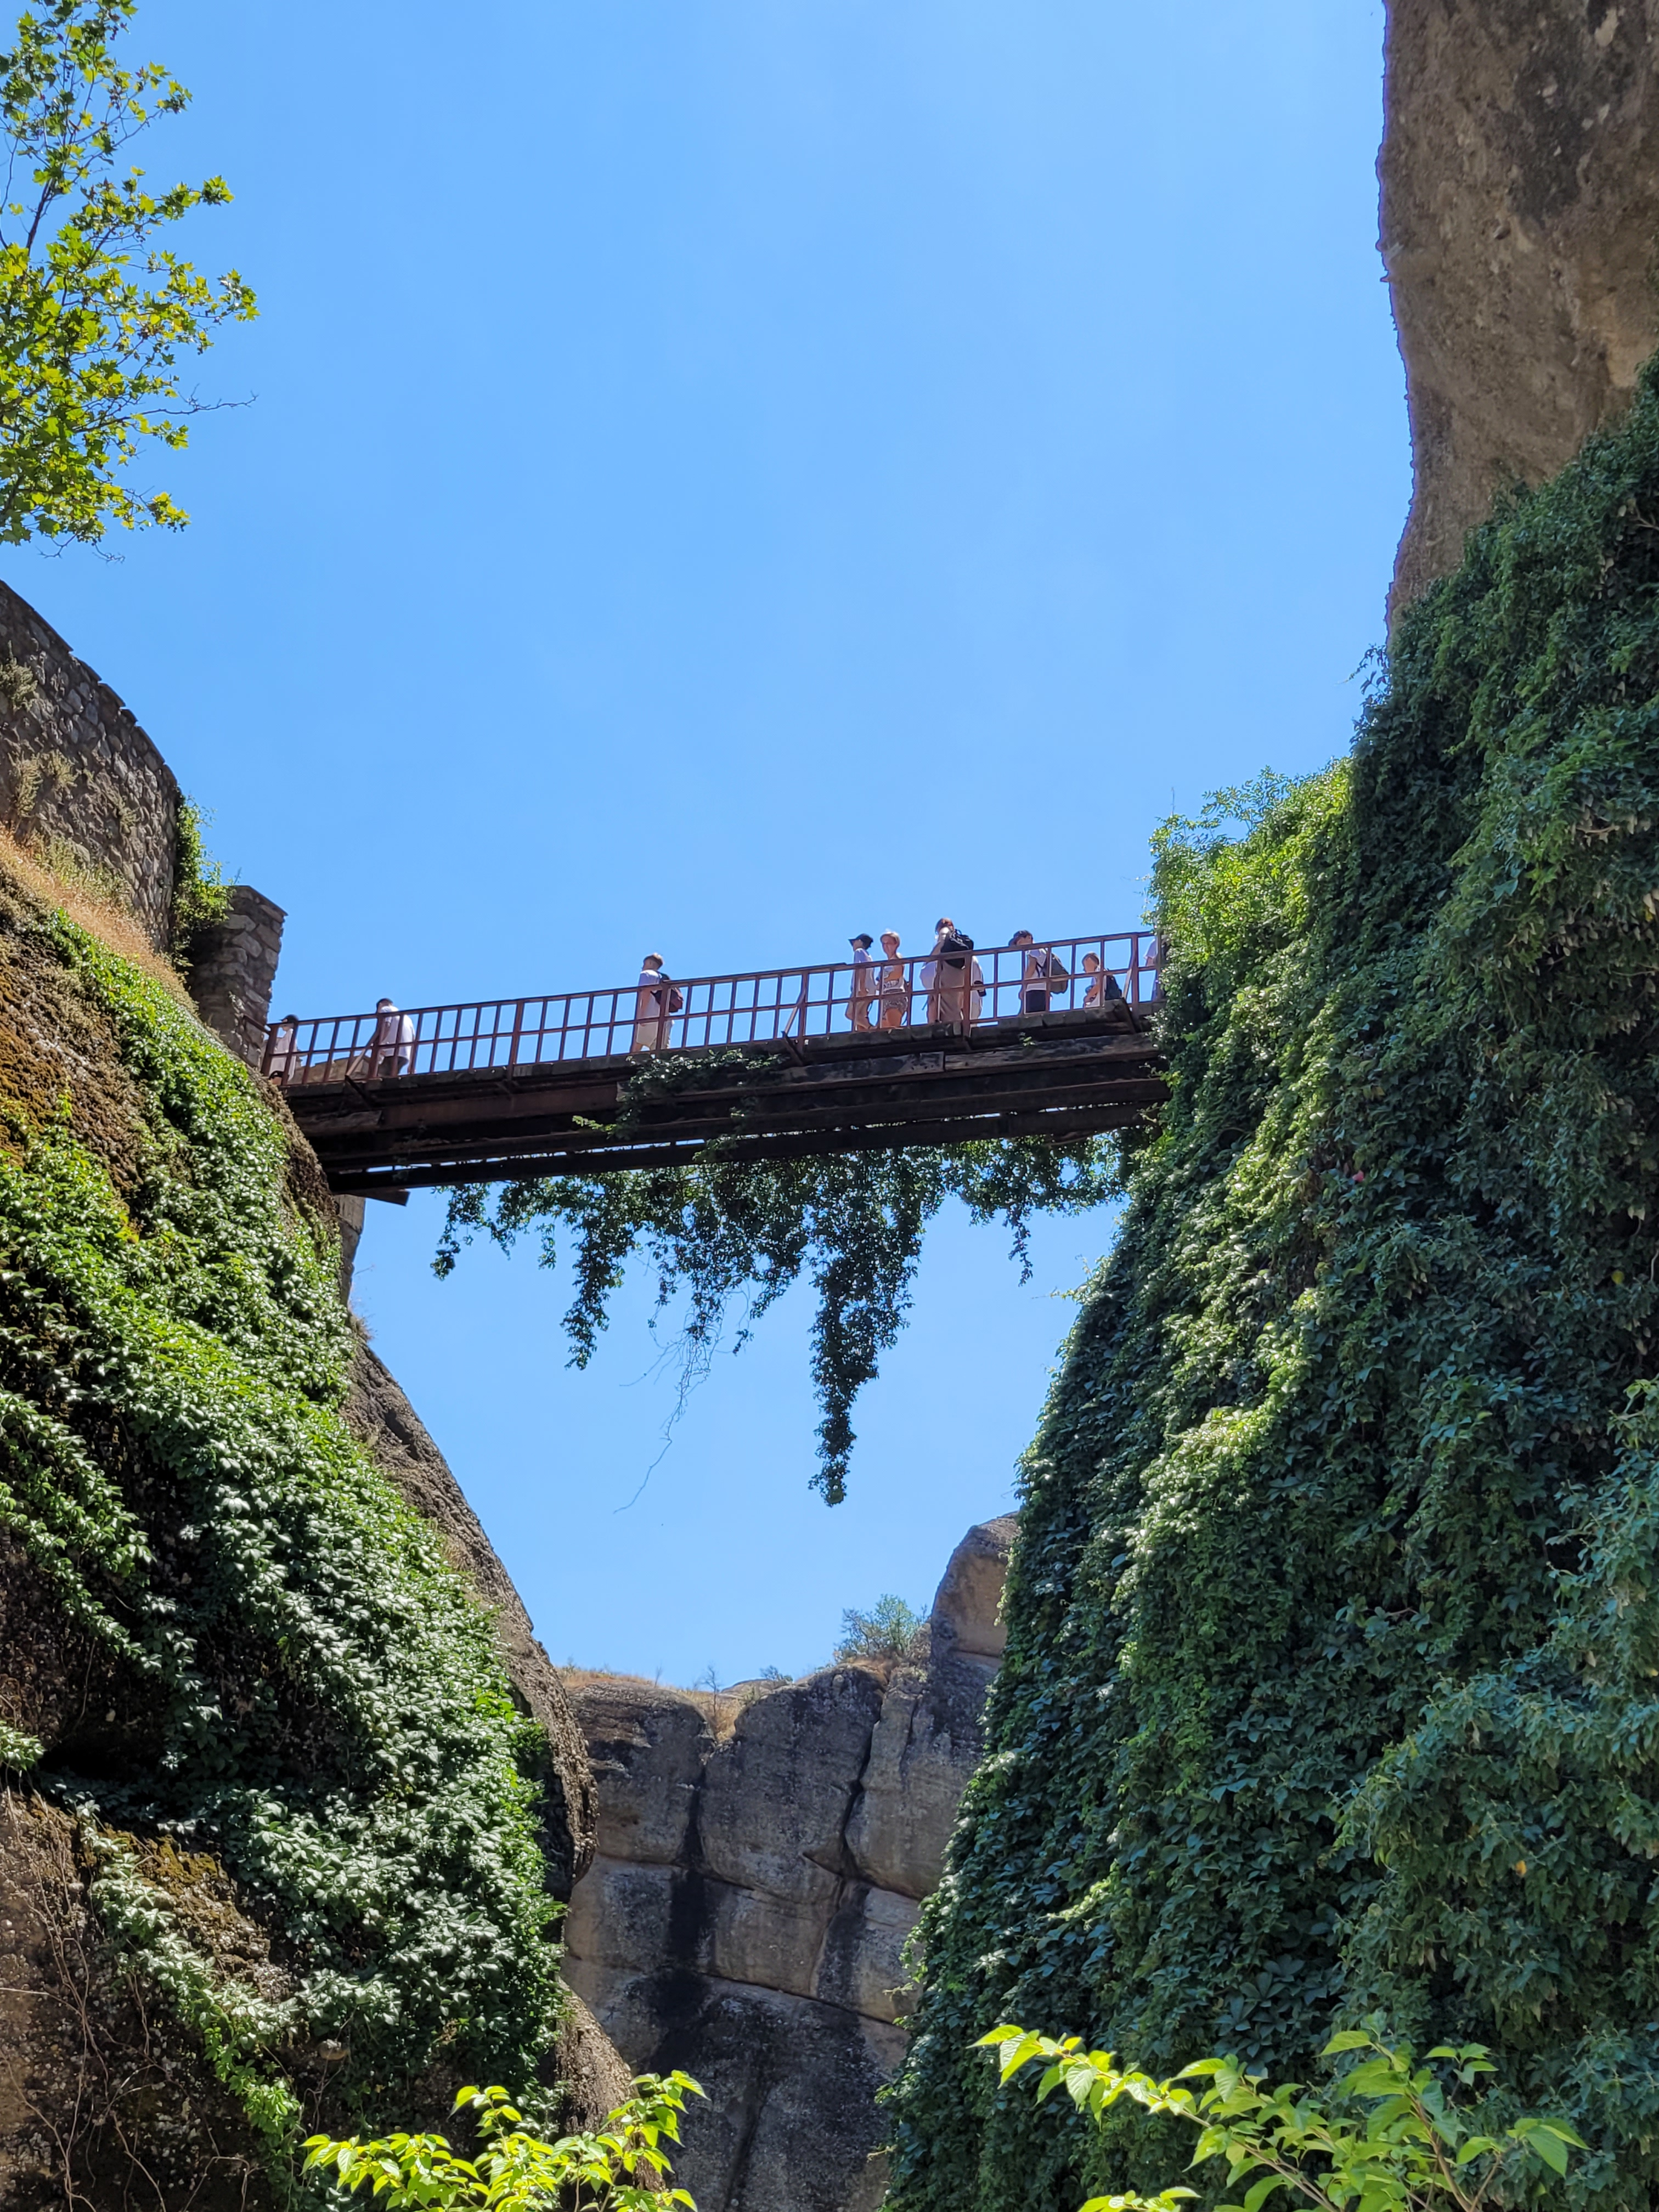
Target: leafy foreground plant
(722,1230)
(93,315)
(623,2168)
(1405,2147)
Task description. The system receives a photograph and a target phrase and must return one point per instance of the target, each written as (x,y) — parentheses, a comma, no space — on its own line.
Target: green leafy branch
(1405,2147)
(93,316)
(623,2168)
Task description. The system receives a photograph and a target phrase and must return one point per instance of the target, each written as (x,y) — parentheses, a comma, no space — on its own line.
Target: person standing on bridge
(283,1055)
(656,1001)
(1153,959)
(948,1002)
(1102,984)
(894,990)
(392,1045)
(860,1006)
(927,981)
(1042,973)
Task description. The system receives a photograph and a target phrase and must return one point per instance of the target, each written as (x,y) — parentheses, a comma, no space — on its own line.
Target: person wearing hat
(860,1006)
(656,1001)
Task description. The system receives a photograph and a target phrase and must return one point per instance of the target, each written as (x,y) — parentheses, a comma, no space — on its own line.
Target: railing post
(518,1031)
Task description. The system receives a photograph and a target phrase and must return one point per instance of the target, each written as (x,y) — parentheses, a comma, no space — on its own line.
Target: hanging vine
(727,1233)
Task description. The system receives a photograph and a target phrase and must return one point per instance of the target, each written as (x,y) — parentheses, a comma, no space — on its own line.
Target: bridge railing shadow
(1088,978)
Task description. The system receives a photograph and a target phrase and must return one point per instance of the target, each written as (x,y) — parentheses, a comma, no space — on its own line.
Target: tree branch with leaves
(1388,2135)
(94,312)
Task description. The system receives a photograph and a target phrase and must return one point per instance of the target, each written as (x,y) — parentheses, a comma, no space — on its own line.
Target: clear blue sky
(705,453)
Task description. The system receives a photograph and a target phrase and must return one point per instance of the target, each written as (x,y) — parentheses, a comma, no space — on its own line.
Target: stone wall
(1520,215)
(233,968)
(748,1905)
(79,779)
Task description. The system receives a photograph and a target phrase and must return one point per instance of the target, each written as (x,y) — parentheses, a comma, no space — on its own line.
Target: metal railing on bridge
(965,992)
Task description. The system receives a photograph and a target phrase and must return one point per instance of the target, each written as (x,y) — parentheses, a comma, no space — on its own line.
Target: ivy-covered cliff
(1332,1671)
(278,1840)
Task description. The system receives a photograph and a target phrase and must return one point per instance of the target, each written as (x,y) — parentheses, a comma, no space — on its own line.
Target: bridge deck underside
(1058,1076)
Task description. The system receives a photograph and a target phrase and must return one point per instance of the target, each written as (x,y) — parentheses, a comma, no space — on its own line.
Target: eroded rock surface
(105,2100)
(406,1454)
(377,1408)
(754,1885)
(1520,213)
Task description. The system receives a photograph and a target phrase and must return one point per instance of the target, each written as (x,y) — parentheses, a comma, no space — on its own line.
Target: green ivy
(725,1231)
(1333,1671)
(307,1688)
(237,2028)
(201,896)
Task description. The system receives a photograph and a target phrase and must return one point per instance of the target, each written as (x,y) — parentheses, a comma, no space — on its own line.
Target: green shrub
(889,1630)
(201,896)
(623,2167)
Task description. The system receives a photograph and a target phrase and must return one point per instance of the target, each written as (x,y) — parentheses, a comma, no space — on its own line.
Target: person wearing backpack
(1044,973)
(658,1000)
(952,952)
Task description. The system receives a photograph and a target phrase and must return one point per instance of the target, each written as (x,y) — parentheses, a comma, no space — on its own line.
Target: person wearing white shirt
(656,1001)
(392,1045)
(1044,974)
(284,1058)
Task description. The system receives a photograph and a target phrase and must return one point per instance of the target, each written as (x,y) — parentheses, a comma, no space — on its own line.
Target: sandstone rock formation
(585,2060)
(397,1440)
(105,2098)
(754,1885)
(1520,213)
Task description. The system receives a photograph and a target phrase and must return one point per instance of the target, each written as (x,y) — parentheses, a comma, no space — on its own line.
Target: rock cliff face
(106,2095)
(1520,212)
(394,1433)
(747,1909)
